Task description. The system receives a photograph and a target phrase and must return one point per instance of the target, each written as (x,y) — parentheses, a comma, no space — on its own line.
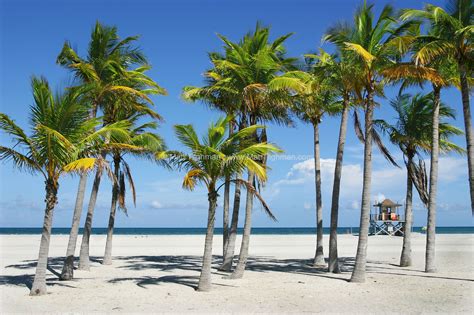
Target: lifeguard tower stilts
(385,219)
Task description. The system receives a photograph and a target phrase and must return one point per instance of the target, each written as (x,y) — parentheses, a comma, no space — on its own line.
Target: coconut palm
(440,72)
(451,35)
(315,97)
(244,71)
(62,140)
(412,134)
(251,64)
(341,69)
(218,95)
(103,76)
(144,144)
(210,162)
(374,42)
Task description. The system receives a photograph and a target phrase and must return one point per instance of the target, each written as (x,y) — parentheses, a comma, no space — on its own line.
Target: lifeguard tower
(385,219)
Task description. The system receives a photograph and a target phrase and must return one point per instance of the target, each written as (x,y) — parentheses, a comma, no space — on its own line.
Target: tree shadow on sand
(263,264)
(26,280)
(188,281)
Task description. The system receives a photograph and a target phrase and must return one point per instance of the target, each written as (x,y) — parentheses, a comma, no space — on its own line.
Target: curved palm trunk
(468,130)
(405,258)
(84,259)
(319,256)
(67,272)
(113,209)
(68,268)
(225,218)
(333,257)
(205,278)
(358,274)
(431,224)
(244,247)
(229,251)
(39,282)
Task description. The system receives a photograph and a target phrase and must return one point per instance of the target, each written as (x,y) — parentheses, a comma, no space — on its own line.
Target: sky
(176,37)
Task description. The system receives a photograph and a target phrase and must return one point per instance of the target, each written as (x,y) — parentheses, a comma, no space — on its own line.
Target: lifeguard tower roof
(387,203)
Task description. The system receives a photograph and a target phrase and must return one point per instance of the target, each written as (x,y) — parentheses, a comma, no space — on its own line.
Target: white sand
(156,274)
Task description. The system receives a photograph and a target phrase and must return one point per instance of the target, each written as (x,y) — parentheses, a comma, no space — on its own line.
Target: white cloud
(380,197)
(451,168)
(155,204)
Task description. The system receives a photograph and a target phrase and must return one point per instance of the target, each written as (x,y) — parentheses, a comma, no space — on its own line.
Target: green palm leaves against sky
(57,143)
(216,156)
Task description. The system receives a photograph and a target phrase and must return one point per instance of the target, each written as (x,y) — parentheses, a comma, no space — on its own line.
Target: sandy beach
(157,274)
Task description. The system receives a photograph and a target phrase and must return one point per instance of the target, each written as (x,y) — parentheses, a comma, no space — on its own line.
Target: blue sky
(176,36)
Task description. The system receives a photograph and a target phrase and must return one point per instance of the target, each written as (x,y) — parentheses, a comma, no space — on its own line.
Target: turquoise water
(202,231)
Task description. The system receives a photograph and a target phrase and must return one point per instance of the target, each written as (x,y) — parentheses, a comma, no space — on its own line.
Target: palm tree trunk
(205,278)
(229,252)
(68,268)
(244,247)
(84,259)
(358,274)
(405,258)
(468,130)
(431,224)
(113,208)
(67,272)
(319,255)
(333,257)
(225,219)
(39,282)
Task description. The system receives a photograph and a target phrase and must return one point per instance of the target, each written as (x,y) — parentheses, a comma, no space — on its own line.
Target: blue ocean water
(202,231)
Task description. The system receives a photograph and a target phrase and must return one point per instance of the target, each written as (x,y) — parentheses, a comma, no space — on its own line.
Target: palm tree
(341,69)
(374,43)
(218,95)
(250,65)
(451,35)
(243,73)
(440,72)
(412,134)
(315,97)
(102,76)
(62,140)
(210,162)
(144,144)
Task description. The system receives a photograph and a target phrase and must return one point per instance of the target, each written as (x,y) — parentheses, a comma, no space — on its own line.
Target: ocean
(202,231)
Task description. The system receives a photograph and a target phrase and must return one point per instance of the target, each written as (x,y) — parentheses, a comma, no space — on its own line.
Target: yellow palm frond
(189,181)
(410,71)
(358,49)
(80,165)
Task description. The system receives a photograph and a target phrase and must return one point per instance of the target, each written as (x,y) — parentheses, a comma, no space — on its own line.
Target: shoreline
(201,231)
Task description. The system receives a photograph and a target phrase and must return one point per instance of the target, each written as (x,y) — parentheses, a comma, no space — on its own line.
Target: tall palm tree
(315,96)
(62,140)
(210,162)
(143,144)
(341,69)
(451,35)
(218,95)
(103,75)
(244,71)
(440,73)
(374,42)
(412,134)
